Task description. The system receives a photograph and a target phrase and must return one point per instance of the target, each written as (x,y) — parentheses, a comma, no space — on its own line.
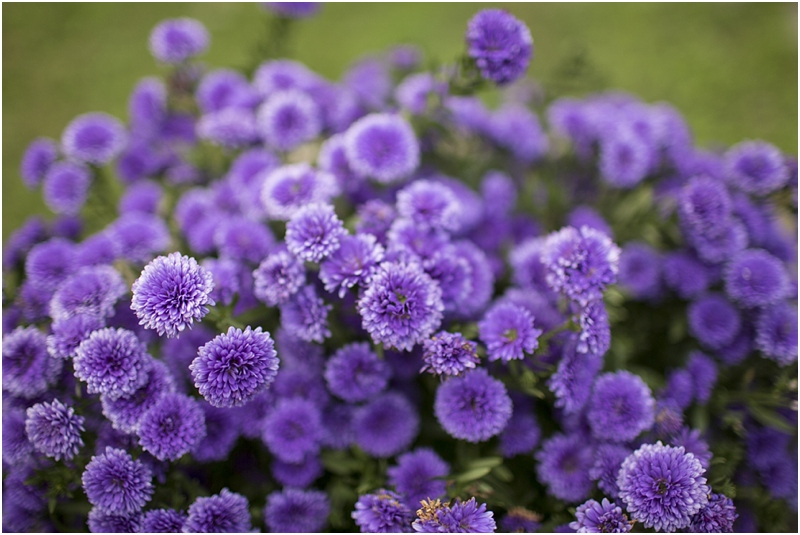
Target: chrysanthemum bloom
(39,156)
(117,484)
(282,74)
(369,79)
(508,332)
(28,368)
(776,333)
(296,511)
(386,426)
(314,232)
(449,354)
(21,240)
(624,159)
(49,263)
(176,40)
(147,107)
(299,475)
(724,246)
(54,429)
(243,239)
(171,293)
(278,277)
(755,167)
(414,91)
(453,273)
(704,205)
(65,187)
(383,147)
(516,129)
(621,407)
(139,236)
(382,512)
(354,262)
(92,290)
(714,321)
(679,390)
(692,442)
(95,138)
(292,429)
(226,512)
(528,270)
(288,188)
(288,119)
(521,435)
(481,278)
(17,447)
(231,128)
(605,517)
(755,278)
(662,487)
(703,371)
(580,263)
(640,270)
(500,44)
(418,476)
(563,465)
(305,315)
(459,517)
(125,413)
(401,306)
(163,521)
(235,366)
(355,373)
(143,196)
(113,362)
(407,241)
(375,217)
(337,426)
(685,274)
(222,431)
(607,461)
(224,88)
(717,516)
(172,427)
(572,381)
(473,407)
(595,335)
(100,521)
(430,204)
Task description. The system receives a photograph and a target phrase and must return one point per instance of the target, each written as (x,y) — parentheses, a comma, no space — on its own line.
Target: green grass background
(731,68)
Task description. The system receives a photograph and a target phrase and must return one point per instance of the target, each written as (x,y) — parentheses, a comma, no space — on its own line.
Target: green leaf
(486,462)
(770,419)
(503,473)
(473,474)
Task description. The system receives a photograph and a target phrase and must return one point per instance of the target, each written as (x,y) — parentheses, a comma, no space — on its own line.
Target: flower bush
(275,301)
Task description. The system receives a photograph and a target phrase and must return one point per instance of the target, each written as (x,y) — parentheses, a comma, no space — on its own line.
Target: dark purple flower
(418,476)
(99,248)
(755,278)
(520,520)
(17,448)
(516,129)
(171,293)
(54,429)
(449,354)
(172,427)
(587,216)
(724,246)
(382,147)
(691,441)
(95,138)
(453,273)
(226,512)
(39,156)
(176,40)
(776,333)
(225,273)
(704,205)
(605,517)
(49,263)
(289,118)
(302,381)
(139,236)
(679,390)
(521,435)
(662,486)
(143,196)
(607,461)
(624,158)
(717,516)
(572,381)
(756,167)
(640,270)
(713,320)
(354,262)
(337,421)
(117,484)
(92,290)
(382,512)
(429,204)
(222,89)
(298,475)
(370,81)
(28,368)
(685,274)
(21,240)
(703,371)
(313,232)
(386,426)
(147,107)
(126,412)
(458,517)
(290,187)
(66,186)
(222,431)
(355,373)
(292,430)
(101,522)
(407,241)
(297,511)
(243,239)
(113,362)
(473,407)
(500,44)
(163,521)
(235,366)
(305,315)
(621,407)
(508,332)
(563,465)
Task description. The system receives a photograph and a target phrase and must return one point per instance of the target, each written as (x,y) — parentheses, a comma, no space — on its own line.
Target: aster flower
(232,128)
(580,263)
(459,517)
(410,242)
(375,217)
(116,484)
(572,381)
(662,486)
(139,236)
(704,205)
(516,128)
(92,290)
(313,232)
(685,274)
(429,204)
(382,147)
(95,138)
(290,187)
(235,366)
(222,432)
(679,390)
(66,186)
(370,80)
(21,240)
(624,158)
(481,278)
(731,239)
(520,520)
(607,462)
(298,475)
(714,321)
(355,373)
(278,277)
(755,278)
(704,373)
(563,465)
(473,407)
(776,333)
(171,293)
(717,516)
(54,429)
(176,40)
(500,44)
(417,476)
(226,512)
(292,429)
(508,332)
(521,435)
(40,154)
(386,426)
(172,427)
(17,447)
(354,262)
(621,407)
(640,270)
(382,512)
(449,354)
(755,167)
(28,368)
(303,381)
(288,119)
(415,90)
(453,273)
(595,335)
(125,412)
(605,517)
(224,88)
(49,263)
(692,441)
(163,521)
(305,315)
(144,196)
(100,521)
(296,511)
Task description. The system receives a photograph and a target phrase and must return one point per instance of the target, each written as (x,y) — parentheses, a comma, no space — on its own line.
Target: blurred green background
(731,68)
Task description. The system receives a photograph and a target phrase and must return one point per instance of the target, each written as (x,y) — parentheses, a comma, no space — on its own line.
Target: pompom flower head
(235,366)
(605,517)
(417,476)
(54,429)
(125,413)
(756,167)
(473,407)
(171,293)
(430,204)
(449,354)
(355,373)
(305,315)
(292,430)
(28,368)
(288,119)
(112,362)
(100,521)
(163,521)
(95,138)
(508,332)
(755,278)
(278,277)
(500,44)
(314,232)
(717,516)
(714,320)
(296,511)
(386,426)
(563,465)
(382,512)
(66,187)
(172,427)
(382,147)
(92,290)
(117,484)
(36,161)
(226,512)
(354,262)
(290,187)
(621,407)
(776,333)
(176,40)
(459,517)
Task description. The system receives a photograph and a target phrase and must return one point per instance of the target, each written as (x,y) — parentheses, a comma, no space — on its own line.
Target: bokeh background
(731,68)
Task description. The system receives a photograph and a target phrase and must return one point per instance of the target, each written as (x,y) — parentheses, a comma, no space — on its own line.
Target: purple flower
(225,273)
(292,429)
(100,521)
(231,128)
(755,278)
(521,435)
(572,381)
(226,512)
(355,373)
(528,271)
(607,461)
(17,447)
(724,246)
(520,520)
(222,89)
(460,517)
(139,236)
(375,217)
(66,186)
(691,441)
(429,204)
(703,371)
(39,156)
(563,465)
(287,119)
(21,240)
(282,74)
(171,293)
(235,366)
(704,205)
(386,426)
(54,429)
(49,263)
(147,107)
(472,407)
(621,407)
(172,427)
(417,476)
(401,305)
(222,431)
(469,115)
(99,248)
(176,40)
(305,315)
(685,274)
(776,333)
(116,484)
(28,368)
(144,196)
(163,521)
(382,147)
(243,239)
(300,474)
(92,290)
(382,512)
(113,362)
(332,158)
(662,487)
(449,354)
(453,273)
(515,128)
(755,167)
(713,320)
(595,335)
(278,277)
(354,262)
(508,332)
(313,232)
(717,516)
(587,216)
(580,263)
(624,158)
(302,381)
(412,243)
(297,511)
(640,270)
(415,90)
(294,10)
(500,44)
(289,188)
(95,138)
(126,412)
(605,517)
(679,390)
(370,81)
